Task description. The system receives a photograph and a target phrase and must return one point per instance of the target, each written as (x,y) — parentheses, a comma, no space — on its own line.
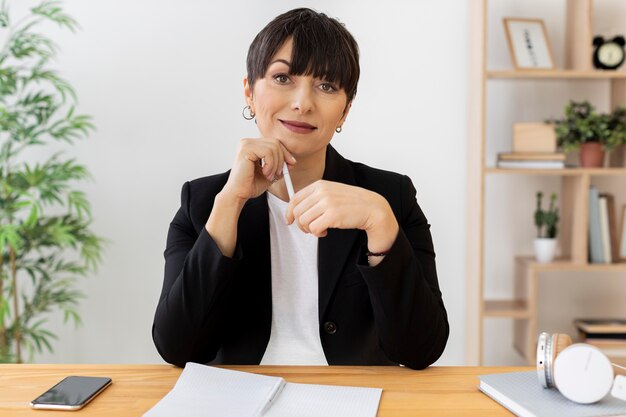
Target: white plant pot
(545,249)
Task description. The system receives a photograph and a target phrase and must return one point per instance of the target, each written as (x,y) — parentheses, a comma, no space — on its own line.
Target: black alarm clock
(608,54)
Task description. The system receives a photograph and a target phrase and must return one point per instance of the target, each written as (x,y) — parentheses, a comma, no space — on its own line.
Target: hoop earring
(338,130)
(250,114)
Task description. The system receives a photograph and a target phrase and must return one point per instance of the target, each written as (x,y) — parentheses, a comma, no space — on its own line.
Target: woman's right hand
(247,178)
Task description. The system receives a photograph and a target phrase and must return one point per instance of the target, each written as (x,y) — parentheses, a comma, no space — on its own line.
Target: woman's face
(299,110)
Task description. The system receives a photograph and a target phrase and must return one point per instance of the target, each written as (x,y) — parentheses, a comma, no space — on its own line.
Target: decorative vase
(591,155)
(545,248)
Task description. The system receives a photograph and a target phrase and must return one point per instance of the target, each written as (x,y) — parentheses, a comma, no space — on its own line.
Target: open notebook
(208,391)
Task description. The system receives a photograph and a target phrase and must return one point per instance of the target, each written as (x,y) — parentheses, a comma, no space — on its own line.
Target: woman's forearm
(222,223)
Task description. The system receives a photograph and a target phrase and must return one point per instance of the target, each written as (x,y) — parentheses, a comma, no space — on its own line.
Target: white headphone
(581,372)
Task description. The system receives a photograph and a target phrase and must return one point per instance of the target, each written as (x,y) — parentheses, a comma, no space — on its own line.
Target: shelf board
(556,74)
(568,265)
(600,172)
(506,308)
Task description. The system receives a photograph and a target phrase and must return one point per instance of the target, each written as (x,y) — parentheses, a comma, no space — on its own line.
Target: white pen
(274,392)
(288,182)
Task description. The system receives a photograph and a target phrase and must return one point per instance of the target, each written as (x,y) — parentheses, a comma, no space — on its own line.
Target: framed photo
(622,236)
(528,43)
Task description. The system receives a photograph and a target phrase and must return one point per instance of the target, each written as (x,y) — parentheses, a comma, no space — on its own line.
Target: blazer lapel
(254,232)
(334,249)
(254,235)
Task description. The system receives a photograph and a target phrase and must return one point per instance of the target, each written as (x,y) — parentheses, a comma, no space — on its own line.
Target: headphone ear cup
(544,361)
(583,374)
(556,344)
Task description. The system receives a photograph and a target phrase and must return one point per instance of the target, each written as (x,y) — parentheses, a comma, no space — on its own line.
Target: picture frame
(528,44)
(622,236)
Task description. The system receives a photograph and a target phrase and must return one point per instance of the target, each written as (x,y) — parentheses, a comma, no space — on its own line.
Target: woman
(343,273)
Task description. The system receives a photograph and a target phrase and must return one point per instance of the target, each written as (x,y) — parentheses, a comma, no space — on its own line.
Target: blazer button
(330,327)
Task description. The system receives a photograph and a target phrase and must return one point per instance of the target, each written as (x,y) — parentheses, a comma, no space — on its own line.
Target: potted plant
(45,240)
(546,222)
(593,133)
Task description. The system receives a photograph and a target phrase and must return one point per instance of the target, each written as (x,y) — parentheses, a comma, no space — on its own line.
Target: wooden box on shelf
(534,137)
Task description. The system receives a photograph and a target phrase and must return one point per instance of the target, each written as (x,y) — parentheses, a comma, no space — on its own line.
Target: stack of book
(603,240)
(532,160)
(608,335)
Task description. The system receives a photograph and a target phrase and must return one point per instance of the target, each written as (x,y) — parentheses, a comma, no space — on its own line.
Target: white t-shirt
(295,337)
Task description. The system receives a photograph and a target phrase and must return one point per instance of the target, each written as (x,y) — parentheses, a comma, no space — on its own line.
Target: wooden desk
(437,391)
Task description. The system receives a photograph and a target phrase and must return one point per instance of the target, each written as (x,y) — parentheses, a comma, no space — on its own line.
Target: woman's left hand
(325,204)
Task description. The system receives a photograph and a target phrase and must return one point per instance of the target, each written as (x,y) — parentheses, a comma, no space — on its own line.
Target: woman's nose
(302,100)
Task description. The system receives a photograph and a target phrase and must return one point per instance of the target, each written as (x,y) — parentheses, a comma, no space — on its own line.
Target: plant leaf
(53,11)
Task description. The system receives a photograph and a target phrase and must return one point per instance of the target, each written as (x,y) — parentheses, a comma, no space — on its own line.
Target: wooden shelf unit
(515,309)
(521,308)
(565,172)
(557,74)
(528,272)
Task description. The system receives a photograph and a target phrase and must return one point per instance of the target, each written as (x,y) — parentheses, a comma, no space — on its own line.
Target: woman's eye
(281,78)
(328,87)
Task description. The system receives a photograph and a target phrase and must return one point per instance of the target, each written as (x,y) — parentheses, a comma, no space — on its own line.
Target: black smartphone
(72,393)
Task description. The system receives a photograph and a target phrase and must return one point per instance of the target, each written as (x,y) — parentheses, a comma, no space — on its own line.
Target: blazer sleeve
(408,307)
(187,322)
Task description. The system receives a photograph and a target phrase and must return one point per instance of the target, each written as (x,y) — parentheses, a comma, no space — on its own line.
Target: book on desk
(521,393)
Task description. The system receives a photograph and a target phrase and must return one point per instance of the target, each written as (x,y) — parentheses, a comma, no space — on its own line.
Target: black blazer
(218,309)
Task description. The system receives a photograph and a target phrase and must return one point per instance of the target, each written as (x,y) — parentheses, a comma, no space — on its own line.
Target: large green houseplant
(45,240)
(585,129)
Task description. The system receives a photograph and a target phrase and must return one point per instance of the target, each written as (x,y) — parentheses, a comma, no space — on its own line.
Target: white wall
(164,82)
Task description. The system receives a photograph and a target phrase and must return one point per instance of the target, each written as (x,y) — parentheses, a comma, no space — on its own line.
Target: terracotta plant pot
(591,155)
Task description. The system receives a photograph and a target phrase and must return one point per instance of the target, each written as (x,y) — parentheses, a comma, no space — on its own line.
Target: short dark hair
(322,47)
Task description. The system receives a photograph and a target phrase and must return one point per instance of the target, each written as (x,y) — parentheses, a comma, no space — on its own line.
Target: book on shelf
(613,228)
(522,394)
(531,156)
(602,336)
(596,253)
(530,164)
(604,230)
(208,391)
(603,325)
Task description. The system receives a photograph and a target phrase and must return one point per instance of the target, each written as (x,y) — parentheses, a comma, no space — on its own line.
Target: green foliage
(616,128)
(582,123)
(546,221)
(45,240)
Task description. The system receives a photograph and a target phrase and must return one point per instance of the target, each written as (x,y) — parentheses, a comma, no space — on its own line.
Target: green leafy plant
(616,128)
(582,123)
(546,221)
(45,240)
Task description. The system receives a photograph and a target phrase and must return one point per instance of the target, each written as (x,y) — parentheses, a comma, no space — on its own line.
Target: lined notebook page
(207,391)
(306,400)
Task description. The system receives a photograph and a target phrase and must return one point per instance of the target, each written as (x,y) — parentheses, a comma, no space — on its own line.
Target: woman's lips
(298,127)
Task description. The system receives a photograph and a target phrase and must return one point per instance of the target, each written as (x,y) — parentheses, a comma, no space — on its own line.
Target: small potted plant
(592,132)
(546,222)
